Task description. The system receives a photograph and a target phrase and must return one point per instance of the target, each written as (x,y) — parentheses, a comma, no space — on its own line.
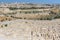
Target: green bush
(58,16)
(13,8)
(5,25)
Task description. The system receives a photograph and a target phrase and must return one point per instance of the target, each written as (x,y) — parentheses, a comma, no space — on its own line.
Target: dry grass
(4,18)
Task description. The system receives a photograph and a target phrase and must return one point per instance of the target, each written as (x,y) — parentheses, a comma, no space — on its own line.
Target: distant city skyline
(32,1)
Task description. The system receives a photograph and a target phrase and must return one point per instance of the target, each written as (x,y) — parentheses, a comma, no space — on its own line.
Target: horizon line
(27,3)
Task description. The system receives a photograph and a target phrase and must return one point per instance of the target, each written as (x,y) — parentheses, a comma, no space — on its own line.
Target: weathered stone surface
(30,30)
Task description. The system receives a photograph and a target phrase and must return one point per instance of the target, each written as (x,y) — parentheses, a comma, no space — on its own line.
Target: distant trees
(52,15)
(55,15)
(13,8)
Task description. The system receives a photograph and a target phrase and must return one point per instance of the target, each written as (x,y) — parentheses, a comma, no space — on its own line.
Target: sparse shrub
(40,18)
(45,17)
(49,18)
(24,18)
(2,26)
(25,12)
(58,16)
(6,18)
(5,25)
(20,17)
(13,8)
(26,22)
(2,20)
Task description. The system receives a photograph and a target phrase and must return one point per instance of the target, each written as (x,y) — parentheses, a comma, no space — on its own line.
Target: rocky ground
(29,22)
(21,29)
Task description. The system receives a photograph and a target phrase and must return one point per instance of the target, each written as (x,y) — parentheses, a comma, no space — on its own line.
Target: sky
(32,1)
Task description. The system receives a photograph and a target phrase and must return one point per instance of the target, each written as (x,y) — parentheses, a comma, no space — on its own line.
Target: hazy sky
(32,1)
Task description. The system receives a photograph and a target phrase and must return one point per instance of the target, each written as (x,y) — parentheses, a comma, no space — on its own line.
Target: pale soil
(30,30)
